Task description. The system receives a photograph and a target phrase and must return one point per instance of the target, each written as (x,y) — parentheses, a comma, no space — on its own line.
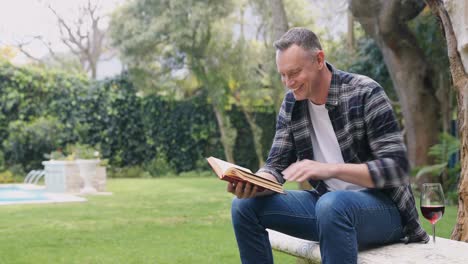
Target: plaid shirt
(367,132)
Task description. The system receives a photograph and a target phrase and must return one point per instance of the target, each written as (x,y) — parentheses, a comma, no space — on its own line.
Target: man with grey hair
(336,130)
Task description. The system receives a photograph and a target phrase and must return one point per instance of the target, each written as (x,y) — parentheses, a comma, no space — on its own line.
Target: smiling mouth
(295,89)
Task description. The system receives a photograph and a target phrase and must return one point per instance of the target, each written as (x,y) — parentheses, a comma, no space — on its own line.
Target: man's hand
(242,190)
(247,190)
(308,169)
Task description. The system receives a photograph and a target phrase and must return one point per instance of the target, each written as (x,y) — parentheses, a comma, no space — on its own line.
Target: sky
(22,19)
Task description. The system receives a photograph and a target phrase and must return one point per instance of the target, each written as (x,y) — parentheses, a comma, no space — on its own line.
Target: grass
(165,220)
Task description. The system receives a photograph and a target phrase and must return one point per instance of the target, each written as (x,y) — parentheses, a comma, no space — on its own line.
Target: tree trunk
(460,231)
(93,69)
(279,18)
(279,26)
(228,134)
(460,83)
(412,76)
(444,96)
(257,136)
(350,34)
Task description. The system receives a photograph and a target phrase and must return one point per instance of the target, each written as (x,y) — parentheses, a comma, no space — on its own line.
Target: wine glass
(432,203)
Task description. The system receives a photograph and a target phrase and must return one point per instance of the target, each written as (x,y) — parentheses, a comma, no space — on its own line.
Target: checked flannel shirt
(367,132)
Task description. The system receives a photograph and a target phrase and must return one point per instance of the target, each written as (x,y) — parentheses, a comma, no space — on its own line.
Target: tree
(245,75)
(277,17)
(171,38)
(459,74)
(413,77)
(86,38)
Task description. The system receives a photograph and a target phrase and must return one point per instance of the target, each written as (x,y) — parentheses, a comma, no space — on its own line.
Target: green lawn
(166,220)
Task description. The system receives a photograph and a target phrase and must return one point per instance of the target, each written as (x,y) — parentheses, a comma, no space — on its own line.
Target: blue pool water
(16,194)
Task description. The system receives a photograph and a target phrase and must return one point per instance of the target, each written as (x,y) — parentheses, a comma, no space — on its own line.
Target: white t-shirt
(325,145)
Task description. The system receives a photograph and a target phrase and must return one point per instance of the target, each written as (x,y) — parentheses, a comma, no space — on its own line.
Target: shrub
(128,172)
(441,171)
(83,151)
(2,161)
(29,141)
(196,174)
(18,171)
(6,177)
(55,155)
(112,112)
(159,165)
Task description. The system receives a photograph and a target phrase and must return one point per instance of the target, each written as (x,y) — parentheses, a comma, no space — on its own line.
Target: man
(338,131)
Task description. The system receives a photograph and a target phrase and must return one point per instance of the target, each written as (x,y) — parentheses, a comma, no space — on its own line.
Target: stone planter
(62,176)
(88,172)
(100,180)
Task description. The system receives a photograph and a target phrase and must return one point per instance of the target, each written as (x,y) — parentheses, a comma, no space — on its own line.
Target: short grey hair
(302,37)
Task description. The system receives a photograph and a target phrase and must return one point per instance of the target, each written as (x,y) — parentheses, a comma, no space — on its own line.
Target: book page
(253,176)
(224,165)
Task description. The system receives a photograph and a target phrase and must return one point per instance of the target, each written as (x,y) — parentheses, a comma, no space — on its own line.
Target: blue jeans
(342,222)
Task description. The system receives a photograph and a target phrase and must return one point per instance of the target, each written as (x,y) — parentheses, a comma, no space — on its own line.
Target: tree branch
(21,45)
(69,32)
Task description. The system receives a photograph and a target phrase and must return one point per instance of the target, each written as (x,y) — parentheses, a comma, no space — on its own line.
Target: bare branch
(48,45)
(92,11)
(21,45)
(69,44)
(68,29)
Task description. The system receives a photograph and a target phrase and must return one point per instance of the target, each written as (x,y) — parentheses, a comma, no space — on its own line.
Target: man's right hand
(243,190)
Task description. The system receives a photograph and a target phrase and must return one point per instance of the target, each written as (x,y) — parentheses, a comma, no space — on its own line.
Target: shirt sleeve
(282,152)
(390,165)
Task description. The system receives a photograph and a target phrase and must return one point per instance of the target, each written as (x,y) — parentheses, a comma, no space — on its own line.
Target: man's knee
(236,205)
(331,207)
(241,209)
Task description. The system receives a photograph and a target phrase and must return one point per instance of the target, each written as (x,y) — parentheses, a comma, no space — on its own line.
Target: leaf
(448,146)
(432,169)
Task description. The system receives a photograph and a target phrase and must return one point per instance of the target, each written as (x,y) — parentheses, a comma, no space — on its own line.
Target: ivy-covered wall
(41,111)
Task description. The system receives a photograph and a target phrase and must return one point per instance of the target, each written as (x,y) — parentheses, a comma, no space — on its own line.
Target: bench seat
(442,252)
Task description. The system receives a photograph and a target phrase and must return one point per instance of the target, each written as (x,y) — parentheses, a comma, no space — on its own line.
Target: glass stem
(433,233)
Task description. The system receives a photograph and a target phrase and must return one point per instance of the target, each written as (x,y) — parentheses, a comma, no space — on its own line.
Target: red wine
(433,213)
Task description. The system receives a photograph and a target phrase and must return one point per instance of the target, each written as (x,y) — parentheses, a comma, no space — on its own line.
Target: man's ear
(320,57)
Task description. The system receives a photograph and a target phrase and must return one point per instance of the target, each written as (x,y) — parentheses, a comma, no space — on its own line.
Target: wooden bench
(443,251)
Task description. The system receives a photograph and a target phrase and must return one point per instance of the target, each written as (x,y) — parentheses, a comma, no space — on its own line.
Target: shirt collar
(334,89)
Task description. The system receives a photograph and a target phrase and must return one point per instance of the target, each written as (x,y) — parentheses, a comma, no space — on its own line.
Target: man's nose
(289,82)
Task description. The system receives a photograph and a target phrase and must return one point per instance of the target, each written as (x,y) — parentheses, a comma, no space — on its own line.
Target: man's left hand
(308,169)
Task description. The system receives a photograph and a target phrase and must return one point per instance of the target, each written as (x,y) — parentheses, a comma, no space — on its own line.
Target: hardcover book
(234,173)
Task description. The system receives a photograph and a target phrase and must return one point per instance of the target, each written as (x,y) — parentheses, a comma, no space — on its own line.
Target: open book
(234,173)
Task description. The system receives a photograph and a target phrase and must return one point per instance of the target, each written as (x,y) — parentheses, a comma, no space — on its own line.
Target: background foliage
(43,111)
